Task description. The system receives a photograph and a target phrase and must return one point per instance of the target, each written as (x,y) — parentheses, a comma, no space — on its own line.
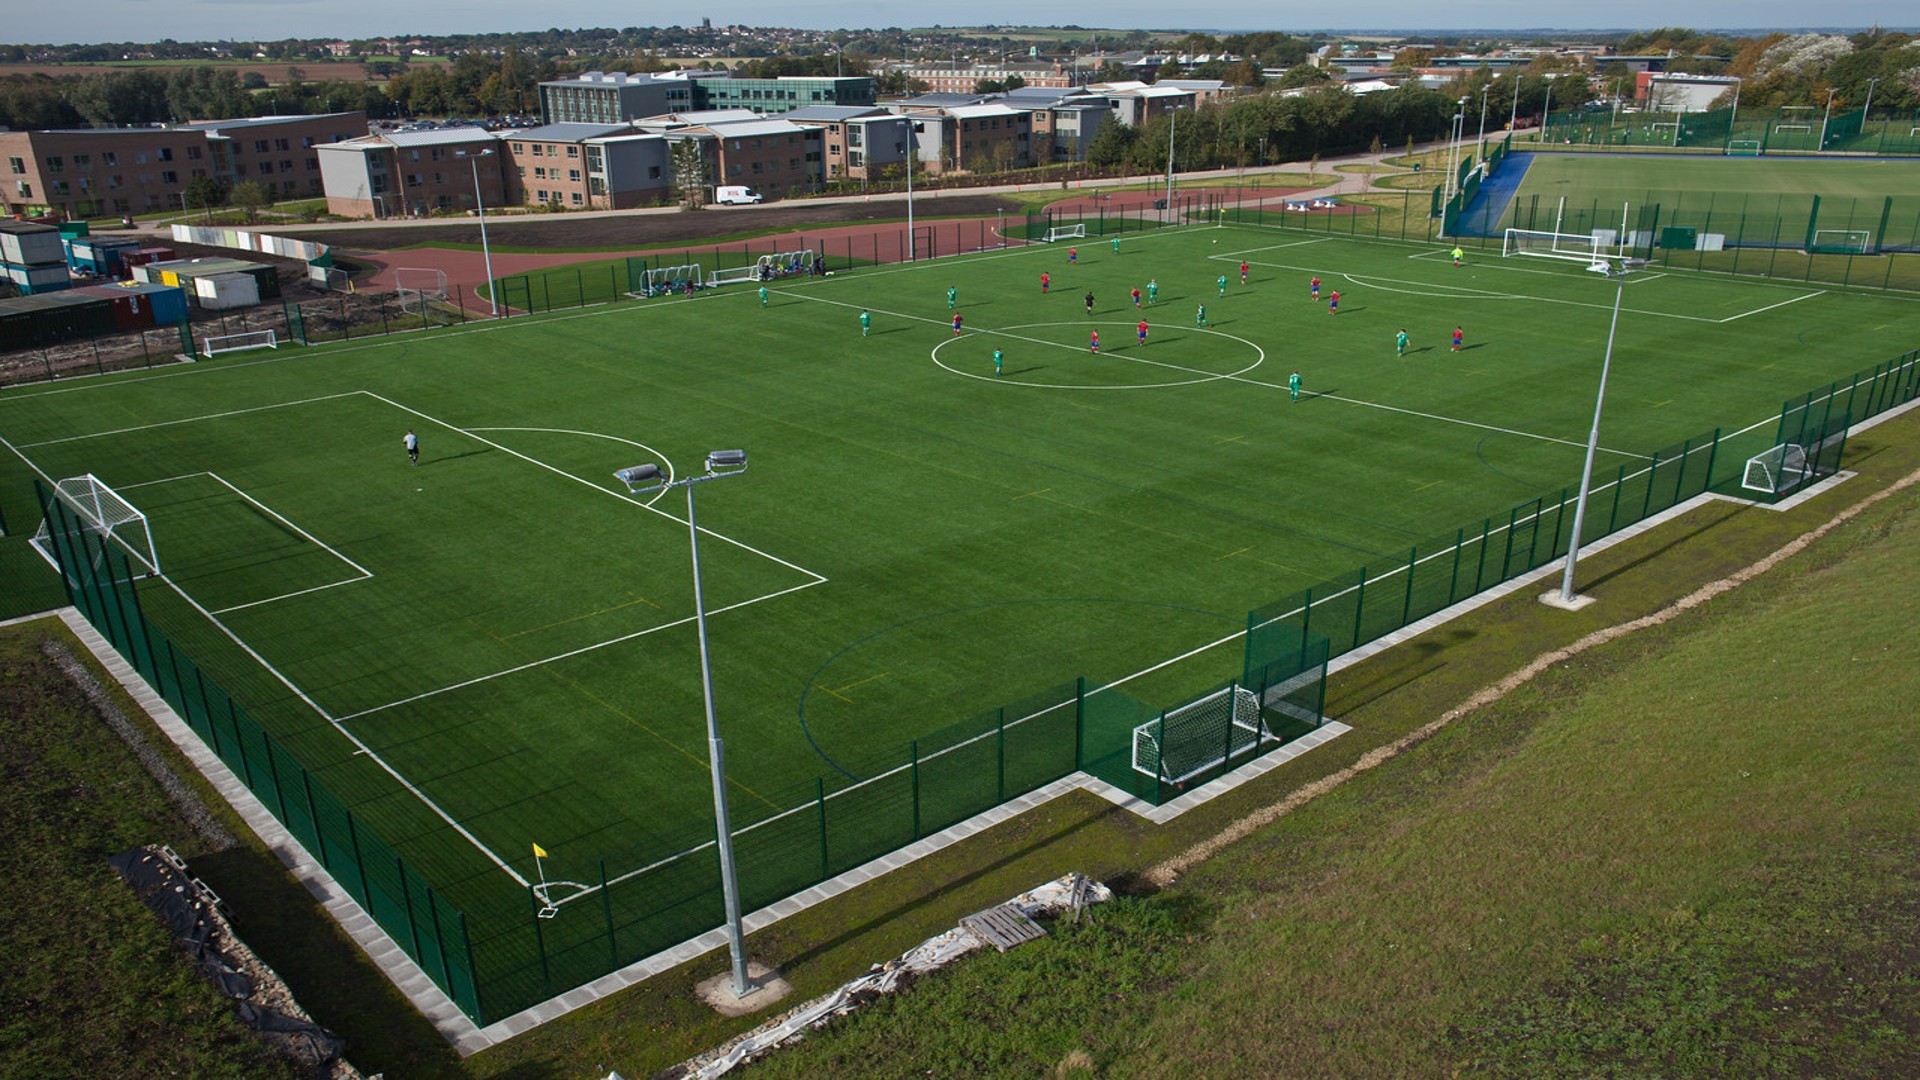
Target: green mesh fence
(1784,130)
(100,583)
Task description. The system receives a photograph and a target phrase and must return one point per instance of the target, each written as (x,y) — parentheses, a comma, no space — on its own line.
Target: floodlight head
(727,461)
(638,476)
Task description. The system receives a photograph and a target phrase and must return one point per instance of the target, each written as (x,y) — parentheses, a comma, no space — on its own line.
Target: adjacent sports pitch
(495,648)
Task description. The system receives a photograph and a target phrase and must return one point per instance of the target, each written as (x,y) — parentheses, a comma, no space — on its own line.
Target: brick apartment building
(971,137)
(959,79)
(603,97)
(412,173)
(769,154)
(94,172)
(587,166)
(859,143)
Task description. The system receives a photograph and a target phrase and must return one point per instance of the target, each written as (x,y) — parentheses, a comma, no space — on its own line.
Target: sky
(44,21)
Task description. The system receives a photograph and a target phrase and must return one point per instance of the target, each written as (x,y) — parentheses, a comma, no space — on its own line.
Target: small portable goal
(1076,231)
(101,510)
(1185,742)
(216,344)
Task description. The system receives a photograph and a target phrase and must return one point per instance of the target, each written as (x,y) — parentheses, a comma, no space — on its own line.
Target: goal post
(1185,742)
(1587,248)
(214,344)
(1841,242)
(1744,148)
(1076,231)
(101,510)
(426,281)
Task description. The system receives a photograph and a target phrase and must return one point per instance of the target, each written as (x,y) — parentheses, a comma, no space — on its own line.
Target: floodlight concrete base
(767,988)
(1553,599)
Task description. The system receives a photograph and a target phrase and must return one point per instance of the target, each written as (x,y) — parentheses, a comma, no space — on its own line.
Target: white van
(735,196)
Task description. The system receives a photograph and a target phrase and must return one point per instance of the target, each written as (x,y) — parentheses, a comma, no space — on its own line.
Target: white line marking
(189,420)
(1770,307)
(529,665)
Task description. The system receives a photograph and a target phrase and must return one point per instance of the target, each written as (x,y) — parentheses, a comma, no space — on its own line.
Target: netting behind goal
(98,508)
(1581,247)
(1185,742)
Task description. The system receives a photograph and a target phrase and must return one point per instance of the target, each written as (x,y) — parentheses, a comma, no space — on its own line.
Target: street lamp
(480,204)
(644,480)
(1566,598)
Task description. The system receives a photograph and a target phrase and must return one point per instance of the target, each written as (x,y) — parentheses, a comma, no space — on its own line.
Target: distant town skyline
(268,20)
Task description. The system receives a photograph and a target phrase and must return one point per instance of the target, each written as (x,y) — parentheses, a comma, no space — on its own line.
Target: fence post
(440,943)
(1406,610)
(1000,791)
(1613,516)
(1653,470)
(406,904)
(1713,453)
(606,906)
(1306,622)
(240,744)
(914,749)
(353,837)
(1480,564)
(1079,719)
(820,800)
(539,941)
(1359,606)
(1559,519)
(1459,539)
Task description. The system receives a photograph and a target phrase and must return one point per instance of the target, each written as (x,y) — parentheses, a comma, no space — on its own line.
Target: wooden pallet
(1003,927)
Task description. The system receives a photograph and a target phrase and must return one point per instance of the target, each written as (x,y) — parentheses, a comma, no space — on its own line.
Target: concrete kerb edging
(468,1038)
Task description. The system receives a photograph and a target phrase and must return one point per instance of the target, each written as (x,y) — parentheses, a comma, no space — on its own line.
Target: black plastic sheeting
(187,912)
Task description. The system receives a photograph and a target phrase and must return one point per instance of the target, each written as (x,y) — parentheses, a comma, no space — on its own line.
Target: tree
(251,196)
(1110,144)
(690,173)
(205,193)
(1303,75)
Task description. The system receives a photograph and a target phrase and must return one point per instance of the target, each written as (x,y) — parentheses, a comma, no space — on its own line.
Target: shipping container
(224,292)
(169,304)
(46,277)
(23,243)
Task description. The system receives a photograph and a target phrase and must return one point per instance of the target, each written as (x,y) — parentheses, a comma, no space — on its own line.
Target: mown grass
(1687,853)
(92,986)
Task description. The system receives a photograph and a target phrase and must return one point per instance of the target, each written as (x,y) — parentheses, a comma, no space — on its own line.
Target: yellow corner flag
(539,852)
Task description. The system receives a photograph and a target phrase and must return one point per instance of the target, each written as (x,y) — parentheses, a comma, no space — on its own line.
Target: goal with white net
(1588,248)
(1841,242)
(215,344)
(1185,742)
(1776,471)
(1744,148)
(1076,231)
(98,508)
(418,286)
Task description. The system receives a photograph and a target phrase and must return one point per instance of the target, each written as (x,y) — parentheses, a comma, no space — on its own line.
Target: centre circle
(1259,357)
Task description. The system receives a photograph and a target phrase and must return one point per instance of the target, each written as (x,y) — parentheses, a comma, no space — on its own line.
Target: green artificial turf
(495,649)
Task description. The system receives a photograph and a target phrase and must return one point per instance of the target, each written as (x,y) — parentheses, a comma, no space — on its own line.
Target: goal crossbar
(250,339)
(1184,742)
(1578,247)
(101,510)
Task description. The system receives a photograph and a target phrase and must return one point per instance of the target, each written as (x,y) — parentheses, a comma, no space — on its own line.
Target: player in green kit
(1116,245)
(1223,284)
(1400,343)
(1200,316)
(1153,290)
(953,295)
(763,296)
(997,357)
(1293,385)
(866,323)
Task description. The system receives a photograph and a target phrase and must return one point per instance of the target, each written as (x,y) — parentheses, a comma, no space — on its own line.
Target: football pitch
(496,648)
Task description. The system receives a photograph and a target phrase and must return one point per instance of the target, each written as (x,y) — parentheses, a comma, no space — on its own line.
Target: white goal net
(1578,247)
(1776,471)
(1845,241)
(106,514)
(1182,743)
(1066,232)
(252,339)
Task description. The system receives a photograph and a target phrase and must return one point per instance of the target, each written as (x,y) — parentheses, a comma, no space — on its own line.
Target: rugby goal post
(1185,742)
(1587,248)
(105,513)
(1076,231)
(214,344)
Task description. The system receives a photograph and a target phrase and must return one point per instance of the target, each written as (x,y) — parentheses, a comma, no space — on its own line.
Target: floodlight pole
(1733,118)
(1546,112)
(1172,118)
(480,205)
(913,151)
(1627,266)
(1480,144)
(1866,112)
(1826,118)
(640,480)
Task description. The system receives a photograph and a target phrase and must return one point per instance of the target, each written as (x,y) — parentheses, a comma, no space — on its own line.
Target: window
(573,175)
(439,154)
(313,165)
(573,151)
(16,166)
(307,142)
(259,146)
(757,168)
(414,180)
(540,172)
(165,153)
(59,187)
(282,145)
(574,198)
(519,148)
(653,172)
(439,178)
(23,189)
(83,161)
(266,168)
(733,169)
(109,158)
(169,177)
(286,165)
(115,181)
(835,150)
(413,155)
(538,150)
(856,136)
